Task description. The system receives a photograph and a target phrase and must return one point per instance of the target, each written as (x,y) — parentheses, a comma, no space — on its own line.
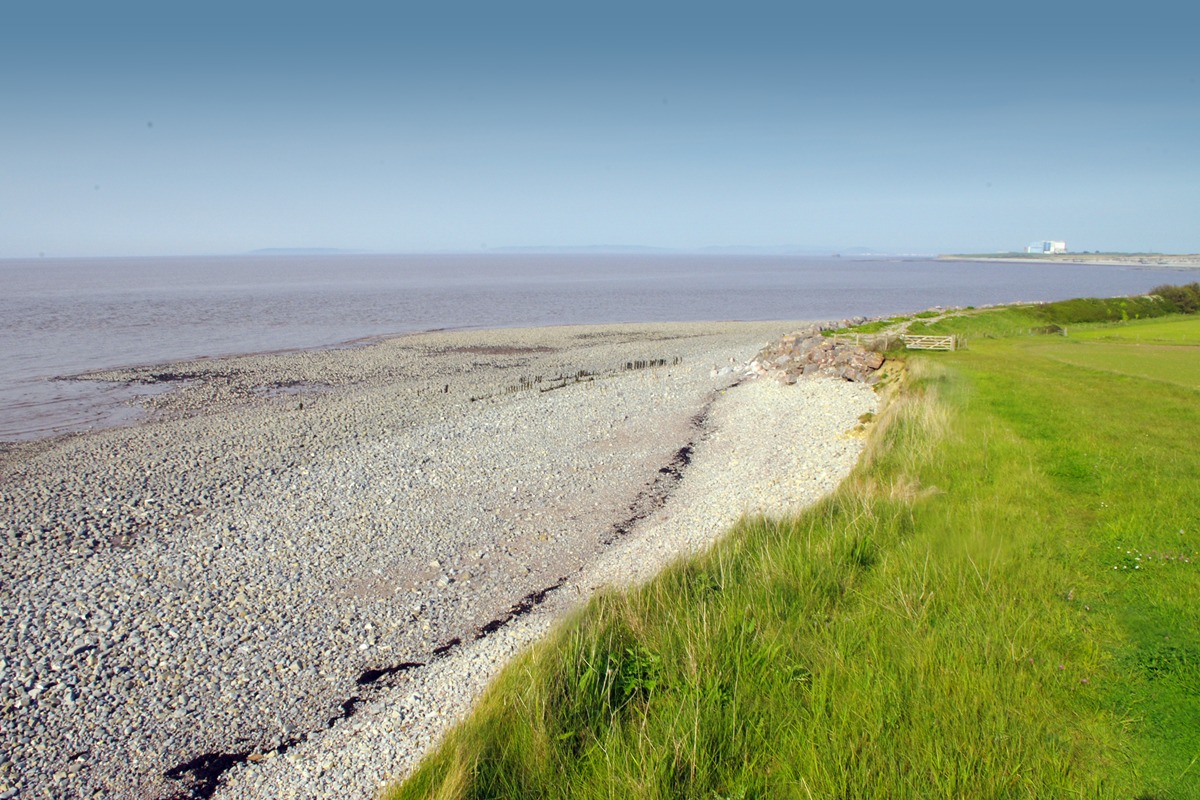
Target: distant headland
(304,251)
(1179,260)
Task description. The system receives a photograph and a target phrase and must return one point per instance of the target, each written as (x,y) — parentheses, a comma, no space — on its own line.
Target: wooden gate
(930,342)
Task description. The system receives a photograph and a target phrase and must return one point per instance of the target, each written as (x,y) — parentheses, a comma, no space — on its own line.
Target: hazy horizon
(136,128)
(788,251)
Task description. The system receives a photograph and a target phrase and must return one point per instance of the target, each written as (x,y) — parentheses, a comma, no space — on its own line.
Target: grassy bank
(1000,602)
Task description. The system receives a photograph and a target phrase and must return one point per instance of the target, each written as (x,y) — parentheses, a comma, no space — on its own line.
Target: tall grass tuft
(964,617)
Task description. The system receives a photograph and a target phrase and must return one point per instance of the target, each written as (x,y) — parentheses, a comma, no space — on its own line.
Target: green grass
(1183,330)
(1159,350)
(1001,602)
(1016,320)
(1173,364)
(870,327)
(990,323)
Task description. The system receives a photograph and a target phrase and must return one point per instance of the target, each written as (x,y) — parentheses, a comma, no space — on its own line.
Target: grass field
(1174,330)
(1161,350)
(1173,364)
(1000,602)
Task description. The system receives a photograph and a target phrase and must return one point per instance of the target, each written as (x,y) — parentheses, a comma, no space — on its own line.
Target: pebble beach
(301,568)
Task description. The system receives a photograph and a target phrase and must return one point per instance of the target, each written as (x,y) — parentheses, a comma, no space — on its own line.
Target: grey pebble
(221,576)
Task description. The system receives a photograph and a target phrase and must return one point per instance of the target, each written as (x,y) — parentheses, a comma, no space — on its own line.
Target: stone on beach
(807,353)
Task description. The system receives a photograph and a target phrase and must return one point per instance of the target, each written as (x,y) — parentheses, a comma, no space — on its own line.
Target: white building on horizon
(1047,247)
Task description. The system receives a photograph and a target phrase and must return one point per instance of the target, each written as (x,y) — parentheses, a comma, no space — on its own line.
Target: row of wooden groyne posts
(870,341)
(542,384)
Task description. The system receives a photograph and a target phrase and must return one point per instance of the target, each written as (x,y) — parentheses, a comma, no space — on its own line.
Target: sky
(179,128)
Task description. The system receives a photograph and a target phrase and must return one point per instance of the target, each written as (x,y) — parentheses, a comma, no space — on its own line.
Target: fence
(887,341)
(930,342)
(881,342)
(869,341)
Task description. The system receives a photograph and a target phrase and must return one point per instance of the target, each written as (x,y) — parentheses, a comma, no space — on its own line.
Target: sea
(62,317)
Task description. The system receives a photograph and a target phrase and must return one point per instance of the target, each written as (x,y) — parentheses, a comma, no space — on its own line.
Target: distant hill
(585,248)
(303,251)
(616,249)
(731,249)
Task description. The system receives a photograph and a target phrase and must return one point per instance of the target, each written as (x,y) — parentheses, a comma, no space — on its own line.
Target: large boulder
(808,354)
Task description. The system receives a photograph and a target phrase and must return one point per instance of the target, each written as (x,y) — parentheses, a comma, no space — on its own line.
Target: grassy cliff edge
(995,604)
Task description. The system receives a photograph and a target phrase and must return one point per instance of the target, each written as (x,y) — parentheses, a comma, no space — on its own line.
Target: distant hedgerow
(1186,298)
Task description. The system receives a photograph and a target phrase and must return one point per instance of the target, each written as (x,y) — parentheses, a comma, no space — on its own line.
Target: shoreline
(118,404)
(249,569)
(1175,262)
(128,404)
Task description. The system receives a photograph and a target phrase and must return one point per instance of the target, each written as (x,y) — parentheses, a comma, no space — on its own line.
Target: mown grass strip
(1000,602)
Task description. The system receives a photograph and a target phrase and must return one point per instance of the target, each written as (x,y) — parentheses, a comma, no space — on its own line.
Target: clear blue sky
(212,127)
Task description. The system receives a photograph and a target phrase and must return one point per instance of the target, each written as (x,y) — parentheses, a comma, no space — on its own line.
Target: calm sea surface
(65,316)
